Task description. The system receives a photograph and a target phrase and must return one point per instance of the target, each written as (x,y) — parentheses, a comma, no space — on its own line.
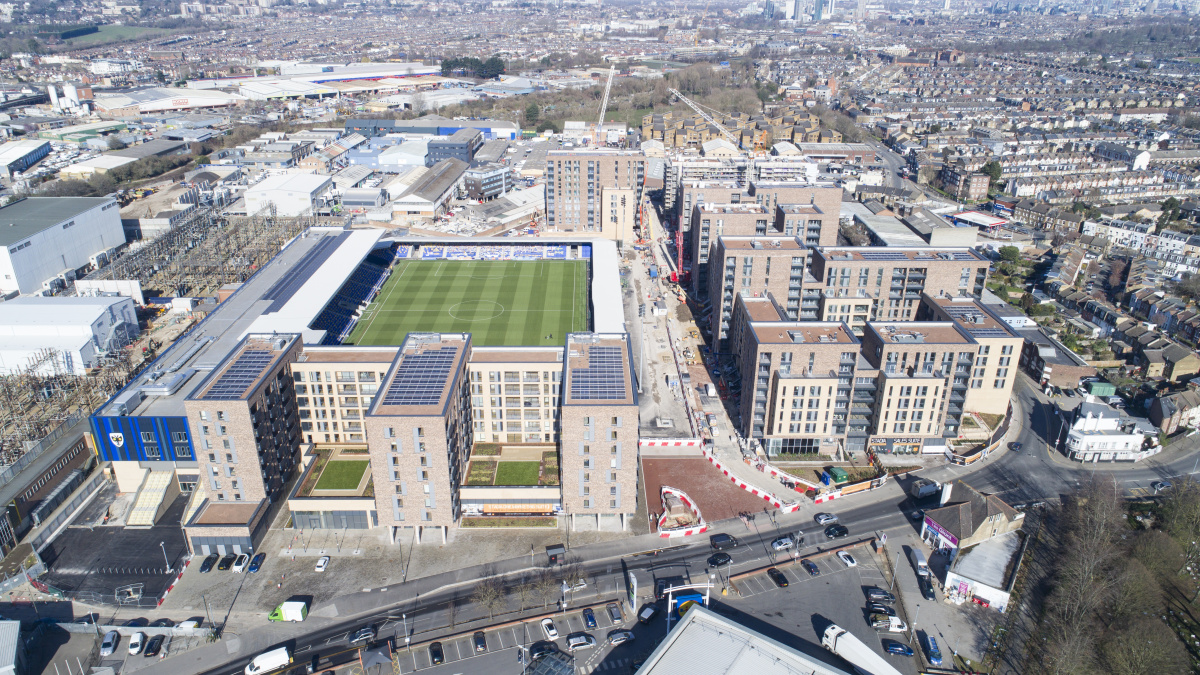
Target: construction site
(193,260)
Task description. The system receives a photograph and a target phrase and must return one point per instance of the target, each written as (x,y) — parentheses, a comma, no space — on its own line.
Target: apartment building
(713,220)
(860,284)
(245,420)
(754,267)
(999,355)
(515,393)
(701,170)
(599,457)
(595,192)
(334,390)
(419,434)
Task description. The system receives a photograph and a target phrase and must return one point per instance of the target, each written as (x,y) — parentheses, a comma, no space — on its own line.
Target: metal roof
(10,635)
(23,219)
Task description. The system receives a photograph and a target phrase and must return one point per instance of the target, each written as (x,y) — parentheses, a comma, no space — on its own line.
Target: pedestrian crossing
(605,665)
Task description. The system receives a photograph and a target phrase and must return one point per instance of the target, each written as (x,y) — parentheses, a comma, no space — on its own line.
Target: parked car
(256,563)
(480,641)
(918,514)
(322,563)
(226,563)
(647,612)
(162,623)
(836,531)
(549,629)
(719,559)
(240,563)
(111,640)
(826,518)
(620,637)
(847,559)
(932,652)
(897,648)
(578,641)
(877,608)
(880,595)
(136,642)
(154,646)
(784,543)
(436,655)
(134,623)
(1160,485)
(926,587)
(778,577)
(589,617)
(811,568)
(209,561)
(614,613)
(1015,447)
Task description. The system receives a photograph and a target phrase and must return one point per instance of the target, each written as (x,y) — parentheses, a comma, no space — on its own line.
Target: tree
(1116,277)
(935,129)
(531,113)
(1027,302)
(993,170)
(493,67)
(33,46)
(1010,253)
(490,594)
(115,143)
(1147,646)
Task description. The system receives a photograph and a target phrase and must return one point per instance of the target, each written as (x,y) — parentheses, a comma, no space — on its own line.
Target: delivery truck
(292,610)
(864,659)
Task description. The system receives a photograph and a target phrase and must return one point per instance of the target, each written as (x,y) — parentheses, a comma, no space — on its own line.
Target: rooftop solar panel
(989,332)
(604,377)
(963,255)
(883,255)
(421,378)
(236,379)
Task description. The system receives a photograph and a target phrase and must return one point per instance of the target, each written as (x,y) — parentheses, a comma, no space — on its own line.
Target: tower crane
(699,23)
(707,118)
(612,71)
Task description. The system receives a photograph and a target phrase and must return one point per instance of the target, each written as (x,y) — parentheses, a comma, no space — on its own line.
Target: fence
(982,453)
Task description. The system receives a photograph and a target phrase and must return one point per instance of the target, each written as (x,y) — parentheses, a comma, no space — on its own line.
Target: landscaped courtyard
(516,465)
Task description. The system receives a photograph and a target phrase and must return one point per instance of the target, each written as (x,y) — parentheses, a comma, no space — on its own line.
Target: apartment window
(204,415)
(612,503)
(587,477)
(587,503)
(587,490)
(221,416)
(587,449)
(1000,384)
(612,477)
(1006,349)
(148,437)
(612,490)
(425,476)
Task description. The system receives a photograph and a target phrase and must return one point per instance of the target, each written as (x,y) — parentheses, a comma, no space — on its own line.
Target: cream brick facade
(599,457)
(515,394)
(334,389)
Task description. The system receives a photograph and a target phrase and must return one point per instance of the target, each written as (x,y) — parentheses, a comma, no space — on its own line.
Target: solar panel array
(236,379)
(989,332)
(421,378)
(963,255)
(604,377)
(883,255)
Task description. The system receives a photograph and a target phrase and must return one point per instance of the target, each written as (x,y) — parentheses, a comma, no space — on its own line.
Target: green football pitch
(498,303)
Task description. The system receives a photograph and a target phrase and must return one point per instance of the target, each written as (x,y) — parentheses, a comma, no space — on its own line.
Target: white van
(269,661)
(710,390)
(919,564)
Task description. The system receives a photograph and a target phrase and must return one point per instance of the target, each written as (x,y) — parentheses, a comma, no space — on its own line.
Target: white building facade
(44,241)
(57,335)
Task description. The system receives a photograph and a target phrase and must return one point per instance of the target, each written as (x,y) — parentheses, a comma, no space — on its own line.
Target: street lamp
(163,545)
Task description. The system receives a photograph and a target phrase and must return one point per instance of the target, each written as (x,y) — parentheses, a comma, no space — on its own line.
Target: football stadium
(510,294)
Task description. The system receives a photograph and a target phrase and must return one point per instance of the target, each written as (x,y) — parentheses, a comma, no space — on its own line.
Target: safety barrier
(700,526)
(786,507)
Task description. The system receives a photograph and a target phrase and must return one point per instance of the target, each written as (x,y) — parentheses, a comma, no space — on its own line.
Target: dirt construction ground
(717,496)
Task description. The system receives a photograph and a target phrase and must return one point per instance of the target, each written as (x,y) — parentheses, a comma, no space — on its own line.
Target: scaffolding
(205,252)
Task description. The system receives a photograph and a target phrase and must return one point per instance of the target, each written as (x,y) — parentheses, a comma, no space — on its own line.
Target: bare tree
(546,587)
(490,594)
(526,593)
(1147,646)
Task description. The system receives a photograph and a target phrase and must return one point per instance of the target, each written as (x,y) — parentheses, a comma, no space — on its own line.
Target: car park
(240,563)
(811,568)
(436,655)
(784,543)
(847,559)
(322,563)
(719,559)
(256,563)
(618,637)
(136,642)
(209,561)
(109,645)
(480,641)
(826,518)
(897,648)
(589,617)
(154,646)
(836,531)
(578,641)
(778,577)
(549,629)
(226,563)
